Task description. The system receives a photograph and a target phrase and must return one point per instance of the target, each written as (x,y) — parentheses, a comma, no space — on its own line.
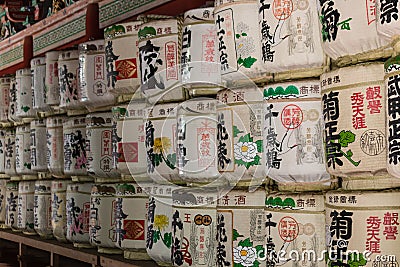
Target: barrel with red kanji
(290,37)
(51,78)
(349,33)
(130,219)
(196,152)
(122,57)
(160,132)
(201,72)
(362,228)
(102,218)
(78,213)
(293,135)
(58,209)
(239,41)
(25,218)
(194,226)
(159,57)
(353,100)
(5,83)
(159,218)
(295,229)
(99,147)
(93,91)
(55,145)
(240,234)
(240,135)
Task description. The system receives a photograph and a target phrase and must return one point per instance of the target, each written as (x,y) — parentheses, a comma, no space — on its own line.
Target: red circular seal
(282,9)
(288,229)
(291,116)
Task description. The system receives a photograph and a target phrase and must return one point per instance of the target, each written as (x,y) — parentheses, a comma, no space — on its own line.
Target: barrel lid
(198,106)
(38,61)
(157,28)
(23,128)
(367,200)
(97,45)
(103,190)
(121,29)
(75,122)
(23,72)
(295,202)
(56,121)
(26,187)
(52,56)
(100,119)
(293,90)
(69,54)
(240,95)
(59,185)
(238,198)
(43,186)
(195,197)
(84,188)
(199,15)
(38,123)
(166,110)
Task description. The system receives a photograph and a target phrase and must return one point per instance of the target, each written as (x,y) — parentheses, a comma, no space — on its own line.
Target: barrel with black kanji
(353,101)
(239,41)
(387,20)
(159,218)
(293,135)
(240,234)
(93,76)
(99,146)
(159,57)
(58,209)
(201,72)
(160,132)
(348,32)
(131,138)
(23,95)
(3,201)
(2,153)
(23,163)
(78,213)
(194,226)
(121,57)
(130,220)
(55,145)
(12,205)
(5,83)
(295,229)
(68,79)
(75,154)
(39,97)
(290,38)
(362,228)
(9,156)
(196,157)
(240,135)
(42,209)
(25,218)
(38,145)
(12,104)
(102,224)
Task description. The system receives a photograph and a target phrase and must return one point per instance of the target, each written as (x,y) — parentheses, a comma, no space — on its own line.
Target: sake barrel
(93,77)
(362,224)
(9,155)
(39,97)
(23,164)
(201,72)
(55,145)
(12,205)
(122,62)
(75,158)
(38,145)
(2,152)
(131,144)
(160,132)
(239,43)
(5,83)
(23,103)
(221,2)
(3,202)
(25,221)
(348,32)
(293,135)
(99,146)
(68,78)
(290,37)
(58,209)
(194,227)
(387,15)
(51,80)
(12,108)
(102,213)
(130,220)
(196,158)
(42,209)
(78,213)
(240,135)
(159,218)
(354,116)
(240,234)
(159,63)
(118,113)
(295,229)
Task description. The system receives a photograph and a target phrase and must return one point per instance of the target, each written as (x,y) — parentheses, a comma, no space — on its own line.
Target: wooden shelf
(57,249)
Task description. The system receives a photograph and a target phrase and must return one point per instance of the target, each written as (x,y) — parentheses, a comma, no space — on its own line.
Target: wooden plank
(119,261)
